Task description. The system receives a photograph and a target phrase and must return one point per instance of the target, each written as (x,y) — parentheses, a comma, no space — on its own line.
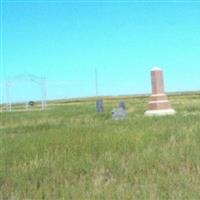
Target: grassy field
(70,152)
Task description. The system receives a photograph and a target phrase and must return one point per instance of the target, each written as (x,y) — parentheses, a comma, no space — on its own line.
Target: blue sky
(66,40)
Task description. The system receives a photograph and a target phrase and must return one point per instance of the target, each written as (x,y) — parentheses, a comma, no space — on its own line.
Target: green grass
(70,152)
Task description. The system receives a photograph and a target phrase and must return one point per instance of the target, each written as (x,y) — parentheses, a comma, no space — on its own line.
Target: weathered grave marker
(99,105)
(122,105)
(119,112)
(158,104)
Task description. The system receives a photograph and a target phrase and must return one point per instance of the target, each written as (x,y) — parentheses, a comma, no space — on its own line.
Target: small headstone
(122,105)
(99,105)
(119,112)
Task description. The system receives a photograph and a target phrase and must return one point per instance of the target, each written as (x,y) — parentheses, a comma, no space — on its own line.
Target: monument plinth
(158,104)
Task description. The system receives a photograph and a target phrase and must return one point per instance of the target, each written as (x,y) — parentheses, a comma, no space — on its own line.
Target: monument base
(160,112)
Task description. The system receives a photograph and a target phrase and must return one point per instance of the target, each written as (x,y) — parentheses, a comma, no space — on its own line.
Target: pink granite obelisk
(158,104)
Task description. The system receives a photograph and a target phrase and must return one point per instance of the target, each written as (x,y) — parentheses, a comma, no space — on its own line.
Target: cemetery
(130,147)
(99,100)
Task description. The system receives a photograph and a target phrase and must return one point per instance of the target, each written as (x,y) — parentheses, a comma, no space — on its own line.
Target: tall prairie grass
(70,152)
